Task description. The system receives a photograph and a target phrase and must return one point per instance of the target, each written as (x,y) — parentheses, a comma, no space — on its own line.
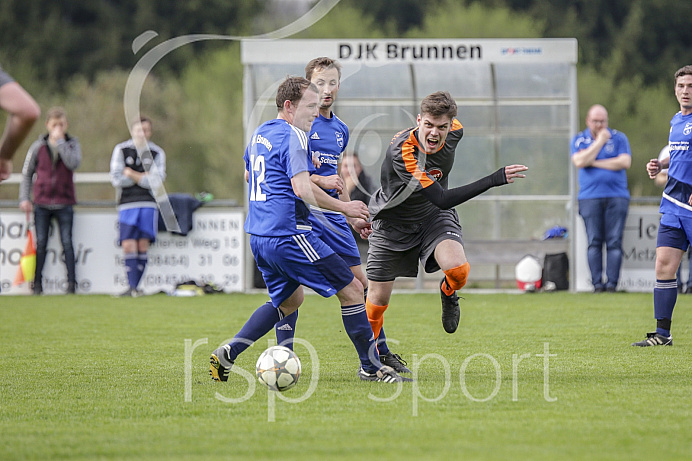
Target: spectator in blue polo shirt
(602,155)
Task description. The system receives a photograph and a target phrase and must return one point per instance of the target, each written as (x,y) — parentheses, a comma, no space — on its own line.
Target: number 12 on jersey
(256,179)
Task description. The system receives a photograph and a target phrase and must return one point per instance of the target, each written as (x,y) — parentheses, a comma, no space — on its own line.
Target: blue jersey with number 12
(277,152)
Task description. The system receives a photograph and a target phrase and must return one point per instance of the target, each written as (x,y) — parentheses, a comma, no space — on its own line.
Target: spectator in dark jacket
(49,168)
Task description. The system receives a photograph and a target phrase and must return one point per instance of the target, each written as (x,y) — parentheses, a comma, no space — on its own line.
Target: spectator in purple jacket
(49,168)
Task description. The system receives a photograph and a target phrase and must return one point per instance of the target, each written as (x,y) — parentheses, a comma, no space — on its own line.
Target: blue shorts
(294,260)
(333,230)
(138,223)
(674,231)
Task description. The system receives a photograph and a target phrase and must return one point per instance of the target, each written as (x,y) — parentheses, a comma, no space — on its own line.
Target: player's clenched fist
(653,167)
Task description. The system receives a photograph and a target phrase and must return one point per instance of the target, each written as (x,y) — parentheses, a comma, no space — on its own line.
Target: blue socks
(267,316)
(359,330)
(286,330)
(665,296)
(135,264)
(131,262)
(382,343)
(142,260)
(259,324)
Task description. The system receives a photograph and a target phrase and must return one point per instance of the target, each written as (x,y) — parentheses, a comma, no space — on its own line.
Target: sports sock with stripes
(359,330)
(286,330)
(259,324)
(142,260)
(131,262)
(665,296)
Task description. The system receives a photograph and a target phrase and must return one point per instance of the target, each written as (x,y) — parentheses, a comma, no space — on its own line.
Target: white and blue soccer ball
(278,368)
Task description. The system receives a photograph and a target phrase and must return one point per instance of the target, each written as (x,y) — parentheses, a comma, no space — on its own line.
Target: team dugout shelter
(517,101)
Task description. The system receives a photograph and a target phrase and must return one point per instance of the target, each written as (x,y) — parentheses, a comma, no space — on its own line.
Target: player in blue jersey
(328,140)
(288,255)
(675,230)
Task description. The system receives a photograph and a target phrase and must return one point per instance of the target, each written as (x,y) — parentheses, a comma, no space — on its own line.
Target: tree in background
(628,51)
(451,19)
(647,38)
(83,37)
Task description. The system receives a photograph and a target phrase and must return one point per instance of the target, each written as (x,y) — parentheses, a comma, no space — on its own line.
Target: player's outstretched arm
(514,171)
(449,198)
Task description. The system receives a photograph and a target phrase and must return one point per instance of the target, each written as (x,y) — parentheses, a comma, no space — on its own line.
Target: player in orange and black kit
(413,214)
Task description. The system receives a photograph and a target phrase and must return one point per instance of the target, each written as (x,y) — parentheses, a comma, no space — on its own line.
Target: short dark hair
(686,70)
(292,89)
(439,103)
(141,119)
(321,63)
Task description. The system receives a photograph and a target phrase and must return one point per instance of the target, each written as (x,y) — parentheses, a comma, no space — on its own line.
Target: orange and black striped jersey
(407,170)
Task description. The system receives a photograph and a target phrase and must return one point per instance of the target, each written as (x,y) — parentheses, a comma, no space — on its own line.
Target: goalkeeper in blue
(675,231)
(278,166)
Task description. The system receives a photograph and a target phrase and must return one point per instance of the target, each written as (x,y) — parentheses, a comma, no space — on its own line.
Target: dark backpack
(556,270)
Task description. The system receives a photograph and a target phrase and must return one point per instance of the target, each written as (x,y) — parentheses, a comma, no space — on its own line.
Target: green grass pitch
(545,376)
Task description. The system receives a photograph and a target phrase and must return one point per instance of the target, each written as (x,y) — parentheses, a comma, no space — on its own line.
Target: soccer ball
(278,368)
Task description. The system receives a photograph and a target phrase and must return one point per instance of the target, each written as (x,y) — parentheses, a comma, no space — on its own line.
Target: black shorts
(395,249)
